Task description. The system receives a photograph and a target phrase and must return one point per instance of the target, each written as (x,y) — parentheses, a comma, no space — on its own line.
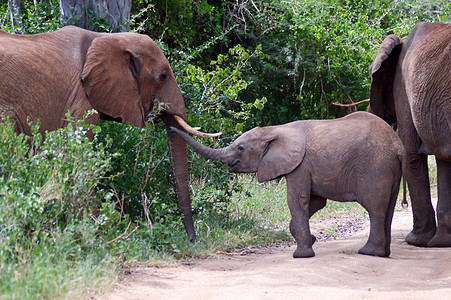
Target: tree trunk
(15,15)
(78,13)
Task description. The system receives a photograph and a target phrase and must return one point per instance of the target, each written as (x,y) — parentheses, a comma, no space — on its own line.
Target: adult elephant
(411,86)
(44,76)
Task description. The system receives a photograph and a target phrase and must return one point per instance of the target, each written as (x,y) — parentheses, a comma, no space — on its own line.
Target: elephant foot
(420,239)
(303,253)
(440,239)
(370,249)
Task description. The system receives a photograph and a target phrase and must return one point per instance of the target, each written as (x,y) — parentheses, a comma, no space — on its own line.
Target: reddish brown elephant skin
(119,74)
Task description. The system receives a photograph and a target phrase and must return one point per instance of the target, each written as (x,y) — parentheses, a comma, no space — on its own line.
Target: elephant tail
(404,202)
(403,160)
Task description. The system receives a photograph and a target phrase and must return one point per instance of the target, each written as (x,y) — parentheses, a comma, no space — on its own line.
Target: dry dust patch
(336,272)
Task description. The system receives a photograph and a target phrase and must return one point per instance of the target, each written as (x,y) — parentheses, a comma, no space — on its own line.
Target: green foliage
(318,52)
(94,23)
(33,18)
(214,93)
(141,175)
(182,24)
(52,214)
(51,180)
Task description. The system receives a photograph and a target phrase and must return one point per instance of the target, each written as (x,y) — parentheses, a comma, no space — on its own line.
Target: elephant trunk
(209,153)
(179,168)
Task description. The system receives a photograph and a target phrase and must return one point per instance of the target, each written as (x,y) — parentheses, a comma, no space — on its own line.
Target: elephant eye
(240,148)
(163,76)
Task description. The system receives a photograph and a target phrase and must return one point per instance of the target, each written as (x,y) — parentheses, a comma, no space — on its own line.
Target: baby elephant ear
(284,152)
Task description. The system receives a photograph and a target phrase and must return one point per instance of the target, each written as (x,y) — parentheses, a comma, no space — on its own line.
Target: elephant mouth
(110,118)
(233,163)
(237,167)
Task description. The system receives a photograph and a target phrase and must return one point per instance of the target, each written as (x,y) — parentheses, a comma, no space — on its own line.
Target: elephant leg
(316,203)
(375,245)
(293,232)
(442,237)
(380,207)
(415,171)
(417,177)
(298,203)
(389,218)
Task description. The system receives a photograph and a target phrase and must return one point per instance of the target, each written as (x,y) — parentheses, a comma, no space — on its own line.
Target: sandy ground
(336,272)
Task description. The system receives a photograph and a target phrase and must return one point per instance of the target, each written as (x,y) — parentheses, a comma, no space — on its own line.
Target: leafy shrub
(52,181)
(32,17)
(140,174)
(214,94)
(50,202)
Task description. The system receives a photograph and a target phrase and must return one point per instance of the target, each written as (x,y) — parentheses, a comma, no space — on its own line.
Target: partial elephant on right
(411,87)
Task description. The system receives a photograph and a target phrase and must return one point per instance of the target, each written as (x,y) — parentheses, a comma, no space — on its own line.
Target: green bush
(52,210)
(34,17)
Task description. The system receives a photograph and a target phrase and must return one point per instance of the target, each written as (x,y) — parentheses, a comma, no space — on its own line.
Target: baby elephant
(355,158)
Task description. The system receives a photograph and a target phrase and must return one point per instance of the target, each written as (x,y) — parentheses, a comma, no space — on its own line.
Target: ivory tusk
(194,131)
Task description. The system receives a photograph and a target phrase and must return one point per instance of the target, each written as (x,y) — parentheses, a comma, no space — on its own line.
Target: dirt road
(336,272)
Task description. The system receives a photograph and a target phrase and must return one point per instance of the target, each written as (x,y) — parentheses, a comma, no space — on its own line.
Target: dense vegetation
(70,205)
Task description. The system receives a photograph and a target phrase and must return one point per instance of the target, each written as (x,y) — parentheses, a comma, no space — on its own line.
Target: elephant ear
(284,151)
(110,79)
(382,72)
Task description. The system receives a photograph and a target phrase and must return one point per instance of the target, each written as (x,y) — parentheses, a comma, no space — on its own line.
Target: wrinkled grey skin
(43,76)
(355,158)
(411,86)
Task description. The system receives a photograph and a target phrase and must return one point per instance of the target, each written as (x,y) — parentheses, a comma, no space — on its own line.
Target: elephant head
(271,151)
(123,77)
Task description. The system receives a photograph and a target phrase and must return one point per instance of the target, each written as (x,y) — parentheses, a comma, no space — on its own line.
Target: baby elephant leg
(316,203)
(381,215)
(376,242)
(300,230)
(304,243)
(299,210)
(293,232)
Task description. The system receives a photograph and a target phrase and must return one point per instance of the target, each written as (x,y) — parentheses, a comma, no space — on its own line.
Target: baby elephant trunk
(209,153)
